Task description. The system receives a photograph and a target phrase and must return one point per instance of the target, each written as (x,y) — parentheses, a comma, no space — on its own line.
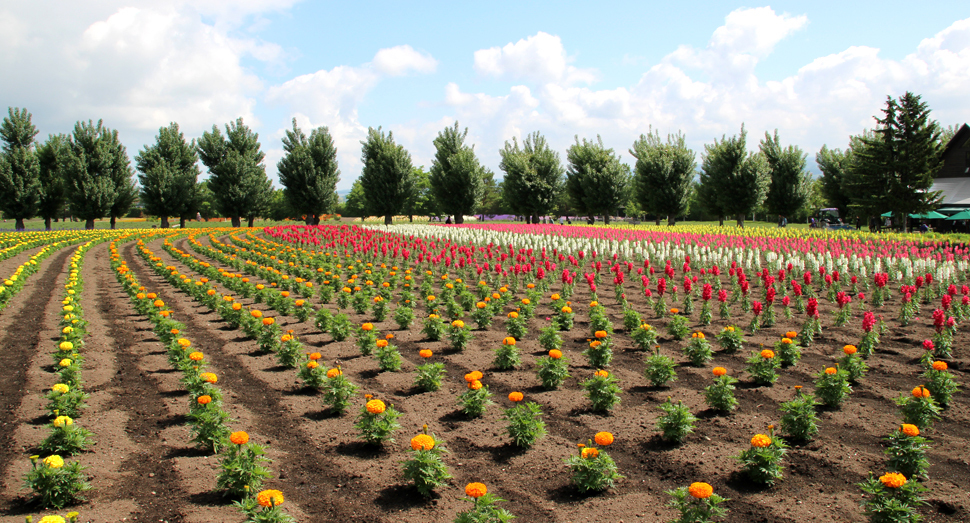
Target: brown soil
(144,466)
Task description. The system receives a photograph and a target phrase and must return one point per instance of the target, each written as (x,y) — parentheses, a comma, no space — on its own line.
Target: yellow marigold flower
(830,370)
(939,365)
(260,286)
(760,440)
(515,396)
(508,340)
(209,377)
(54,461)
(376,406)
(382,343)
(333,373)
(286,337)
(921,392)
(594,303)
(603,438)
(791,334)
(602,373)
(555,354)
(767,354)
(52,519)
(567,310)
(67,330)
(270,498)
(849,350)
(63,421)
(475,385)
(719,371)
(60,388)
(513,315)
(184,343)
(893,479)
(425,353)
(458,324)
(239,438)
(68,308)
(729,328)
(422,442)
(475,490)
(66,362)
(589,452)
(312,364)
(700,490)
(196,356)
(909,430)
(786,341)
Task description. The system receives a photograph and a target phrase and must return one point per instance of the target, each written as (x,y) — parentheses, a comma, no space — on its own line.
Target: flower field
(429,373)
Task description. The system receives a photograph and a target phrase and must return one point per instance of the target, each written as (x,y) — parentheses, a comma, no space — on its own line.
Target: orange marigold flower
(555,354)
(674,311)
(236,306)
(475,490)
(204,399)
(270,498)
(480,305)
(475,385)
(786,341)
(426,353)
(256,313)
(600,334)
(173,331)
(791,334)
(184,343)
(767,354)
(285,294)
(239,438)
(422,442)
(315,355)
(367,327)
(159,303)
(594,303)
(719,371)
(196,356)
(602,373)
(830,370)
(700,490)
(473,375)
(939,365)
(760,440)
(589,452)
(513,315)
(921,392)
(893,479)
(496,295)
(269,321)
(554,297)
(382,343)
(849,350)
(333,373)
(376,406)
(526,301)
(209,377)
(603,438)
(530,286)
(458,324)
(515,396)
(595,343)
(909,430)
(151,295)
(567,309)
(299,303)
(508,340)
(312,364)
(431,297)
(389,336)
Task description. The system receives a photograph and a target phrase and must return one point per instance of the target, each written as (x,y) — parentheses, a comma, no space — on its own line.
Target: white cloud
(540,58)
(400,60)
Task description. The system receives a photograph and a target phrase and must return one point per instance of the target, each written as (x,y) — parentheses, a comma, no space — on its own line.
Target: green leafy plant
(660,369)
(434,327)
(56,484)
(404,317)
(788,351)
(549,339)
(507,354)
(485,509)
(762,461)
(731,339)
(940,382)
(853,364)
(678,327)
(697,503)
(603,391)
(593,469)
(209,425)
(426,467)
(515,326)
(524,421)
(645,336)
(762,367)
(66,438)
(338,390)
(366,339)
(377,422)
(340,327)
(698,350)
(720,394)
(427,376)
(906,450)
(311,373)
(553,369)
(476,397)
(63,400)
(676,422)
(599,354)
(832,386)
(892,498)
(919,408)
(264,507)
(799,420)
(459,335)
(240,470)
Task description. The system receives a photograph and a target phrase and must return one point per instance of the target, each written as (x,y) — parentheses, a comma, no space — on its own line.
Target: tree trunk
(720,220)
(410,218)
(89,224)
(740,220)
(112,223)
(316,219)
(20,224)
(459,218)
(181,222)
(47,223)
(535,218)
(235,221)
(657,220)
(308,220)
(671,220)
(606,219)
(251,220)
(388,219)
(165,222)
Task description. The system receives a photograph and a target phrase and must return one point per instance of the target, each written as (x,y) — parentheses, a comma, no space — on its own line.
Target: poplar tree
(835,165)
(533,176)
(387,177)
(19,169)
(97,174)
(595,179)
(788,189)
(168,175)
(664,172)
(457,178)
(733,181)
(51,157)
(237,176)
(309,173)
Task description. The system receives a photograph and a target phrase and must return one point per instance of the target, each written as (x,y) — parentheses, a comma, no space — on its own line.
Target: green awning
(887,214)
(962,215)
(952,209)
(932,215)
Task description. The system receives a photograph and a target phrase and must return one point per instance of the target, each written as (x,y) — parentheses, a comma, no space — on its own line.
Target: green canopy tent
(962,215)
(888,214)
(932,215)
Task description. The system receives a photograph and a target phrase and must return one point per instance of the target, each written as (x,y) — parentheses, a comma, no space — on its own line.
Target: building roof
(959,139)
(956,191)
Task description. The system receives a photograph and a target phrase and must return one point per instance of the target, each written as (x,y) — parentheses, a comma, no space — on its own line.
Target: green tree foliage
(279,206)
(595,178)
(421,201)
(733,181)
(207,201)
(237,174)
(355,205)
(387,177)
(168,175)
(51,157)
(97,175)
(309,173)
(533,176)
(664,172)
(900,161)
(835,165)
(788,189)
(19,168)
(457,179)
(492,202)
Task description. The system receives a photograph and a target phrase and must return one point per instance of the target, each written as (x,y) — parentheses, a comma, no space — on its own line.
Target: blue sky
(816,71)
